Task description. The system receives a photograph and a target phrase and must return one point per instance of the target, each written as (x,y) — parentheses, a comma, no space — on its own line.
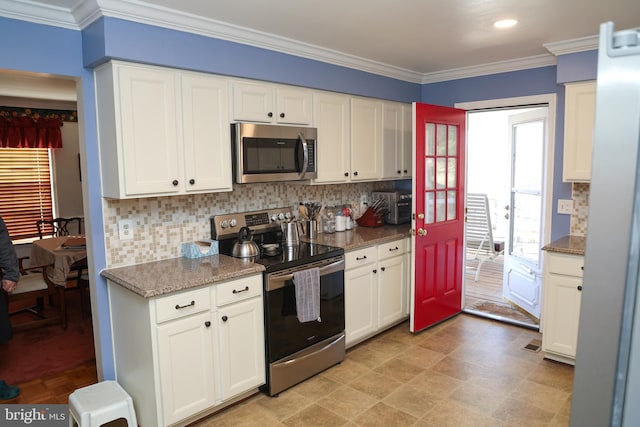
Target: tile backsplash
(580,196)
(162,224)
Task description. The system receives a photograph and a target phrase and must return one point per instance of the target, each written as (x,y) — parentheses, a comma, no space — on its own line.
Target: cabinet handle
(175,182)
(225,318)
(269,114)
(375,271)
(207,323)
(192,181)
(191,304)
(282,115)
(382,268)
(580,287)
(246,288)
(361,258)
(394,249)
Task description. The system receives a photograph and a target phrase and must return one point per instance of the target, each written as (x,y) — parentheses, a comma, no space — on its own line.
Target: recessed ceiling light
(505,23)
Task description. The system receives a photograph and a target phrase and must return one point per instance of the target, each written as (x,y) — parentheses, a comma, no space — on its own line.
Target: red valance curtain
(26,132)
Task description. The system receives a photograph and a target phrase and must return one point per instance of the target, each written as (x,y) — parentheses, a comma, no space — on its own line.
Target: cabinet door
(366,139)
(253,102)
(561,314)
(294,106)
(242,356)
(392,290)
(361,301)
(206,137)
(392,140)
(186,366)
(407,142)
(331,118)
(146,99)
(579,121)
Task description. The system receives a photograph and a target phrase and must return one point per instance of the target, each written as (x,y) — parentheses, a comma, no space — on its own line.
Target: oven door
(285,335)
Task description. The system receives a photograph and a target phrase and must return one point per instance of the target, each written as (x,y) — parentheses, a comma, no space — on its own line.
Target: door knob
(420,216)
(422,232)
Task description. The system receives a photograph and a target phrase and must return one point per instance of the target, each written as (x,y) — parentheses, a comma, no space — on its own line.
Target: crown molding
(38,13)
(84,12)
(572,46)
(538,61)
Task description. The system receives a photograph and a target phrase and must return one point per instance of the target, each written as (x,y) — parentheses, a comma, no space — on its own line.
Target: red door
(439,208)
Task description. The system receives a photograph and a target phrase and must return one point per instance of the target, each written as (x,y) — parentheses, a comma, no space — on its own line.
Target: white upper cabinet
(331,118)
(158,128)
(579,121)
(396,140)
(253,102)
(366,139)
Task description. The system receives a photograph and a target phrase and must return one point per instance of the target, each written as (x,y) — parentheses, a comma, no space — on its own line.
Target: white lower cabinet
(561,309)
(186,354)
(376,289)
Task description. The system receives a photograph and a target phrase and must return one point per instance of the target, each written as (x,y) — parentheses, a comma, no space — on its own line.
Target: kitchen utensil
(290,235)
(245,247)
(304,212)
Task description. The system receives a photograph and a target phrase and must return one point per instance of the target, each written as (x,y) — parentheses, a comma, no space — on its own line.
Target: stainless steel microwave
(268,153)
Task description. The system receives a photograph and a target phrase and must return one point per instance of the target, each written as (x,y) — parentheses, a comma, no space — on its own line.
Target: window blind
(25,190)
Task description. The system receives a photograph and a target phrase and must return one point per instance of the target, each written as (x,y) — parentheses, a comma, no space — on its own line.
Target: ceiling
(415,40)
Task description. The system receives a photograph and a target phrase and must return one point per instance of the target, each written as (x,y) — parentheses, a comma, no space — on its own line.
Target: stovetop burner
(266,229)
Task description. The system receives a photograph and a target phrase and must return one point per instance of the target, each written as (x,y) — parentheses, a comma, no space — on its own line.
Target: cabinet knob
(192,181)
(175,182)
(355,173)
(282,115)
(405,171)
(269,114)
(207,323)
(225,318)
(580,287)
(399,172)
(346,174)
(382,268)
(375,271)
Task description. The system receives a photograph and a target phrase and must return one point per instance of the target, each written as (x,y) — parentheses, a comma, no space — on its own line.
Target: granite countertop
(573,245)
(156,278)
(360,237)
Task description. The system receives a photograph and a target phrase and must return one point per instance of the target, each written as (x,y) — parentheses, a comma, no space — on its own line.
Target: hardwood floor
(56,388)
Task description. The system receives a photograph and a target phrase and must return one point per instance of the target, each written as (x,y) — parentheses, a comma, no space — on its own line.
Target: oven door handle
(277,280)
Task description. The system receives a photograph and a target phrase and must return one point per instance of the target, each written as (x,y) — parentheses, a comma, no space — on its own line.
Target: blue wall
(51,50)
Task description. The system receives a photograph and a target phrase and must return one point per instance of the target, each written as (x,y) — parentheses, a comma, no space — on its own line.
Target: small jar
(341,222)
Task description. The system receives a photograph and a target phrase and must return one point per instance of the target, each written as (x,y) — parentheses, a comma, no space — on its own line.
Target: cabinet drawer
(570,265)
(182,304)
(360,257)
(238,290)
(397,247)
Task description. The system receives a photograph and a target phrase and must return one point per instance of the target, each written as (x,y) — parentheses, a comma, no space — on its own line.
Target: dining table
(60,255)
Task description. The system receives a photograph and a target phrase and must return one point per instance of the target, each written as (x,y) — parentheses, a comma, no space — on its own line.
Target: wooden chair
(479,233)
(59,227)
(36,287)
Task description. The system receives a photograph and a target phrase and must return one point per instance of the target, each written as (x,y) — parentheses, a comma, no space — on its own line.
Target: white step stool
(100,403)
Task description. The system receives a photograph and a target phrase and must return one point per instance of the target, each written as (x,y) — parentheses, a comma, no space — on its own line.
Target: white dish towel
(307,283)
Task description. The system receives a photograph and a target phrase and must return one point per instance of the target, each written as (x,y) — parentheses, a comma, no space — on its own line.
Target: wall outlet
(565,206)
(364,199)
(125,229)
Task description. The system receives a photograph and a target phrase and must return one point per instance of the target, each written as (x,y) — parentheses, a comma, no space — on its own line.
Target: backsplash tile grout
(162,224)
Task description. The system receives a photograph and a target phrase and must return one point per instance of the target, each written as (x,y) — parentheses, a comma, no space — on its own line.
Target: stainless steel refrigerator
(606,389)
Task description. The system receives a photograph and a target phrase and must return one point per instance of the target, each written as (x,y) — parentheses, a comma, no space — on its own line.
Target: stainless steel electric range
(295,350)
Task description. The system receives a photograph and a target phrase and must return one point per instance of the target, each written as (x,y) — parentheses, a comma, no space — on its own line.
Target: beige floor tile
(549,398)
(421,356)
(287,403)
(387,346)
(248,415)
(316,387)
(367,357)
(315,415)
(375,385)
(455,368)
(438,343)
(399,370)
(347,402)
(415,401)
(481,399)
(553,374)
(437,384)
(346,371)
(449,413)
(522,413)
(384,416)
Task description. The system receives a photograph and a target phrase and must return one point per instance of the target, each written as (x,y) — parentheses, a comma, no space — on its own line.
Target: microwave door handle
(305,155)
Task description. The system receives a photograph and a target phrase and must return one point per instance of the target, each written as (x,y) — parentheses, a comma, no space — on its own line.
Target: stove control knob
(274,217)
(280,216)
(287,215)
(233,222)
(224,224)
